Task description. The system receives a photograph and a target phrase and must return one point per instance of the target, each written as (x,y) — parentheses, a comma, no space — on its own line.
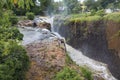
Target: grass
(86,73)
(68,60)
(81,19)
(68,73)
(113,16)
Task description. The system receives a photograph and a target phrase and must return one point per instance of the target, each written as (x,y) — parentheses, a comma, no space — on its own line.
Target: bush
(68,74)
(13,20)
(86,73)
(13,61)
(113,17)
(100,13)
(10,34)
(30,15)
(87,18)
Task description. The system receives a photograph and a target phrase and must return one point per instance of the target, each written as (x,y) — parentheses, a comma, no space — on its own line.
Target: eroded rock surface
(47,57)
(41,22)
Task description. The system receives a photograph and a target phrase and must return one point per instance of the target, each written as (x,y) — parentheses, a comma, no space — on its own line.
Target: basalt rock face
(47,57)
(94,40)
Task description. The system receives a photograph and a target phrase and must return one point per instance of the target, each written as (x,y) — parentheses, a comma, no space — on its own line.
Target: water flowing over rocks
(98,40)
(46,52)
(41,22)
(47,55)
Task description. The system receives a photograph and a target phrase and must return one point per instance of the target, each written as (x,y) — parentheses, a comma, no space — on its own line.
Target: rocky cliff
(48,58)
(97,39)
(113,36)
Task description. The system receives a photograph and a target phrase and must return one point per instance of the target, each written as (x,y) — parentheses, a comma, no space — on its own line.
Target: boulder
(47,58)
(30,23)
(27,23)
(44,25)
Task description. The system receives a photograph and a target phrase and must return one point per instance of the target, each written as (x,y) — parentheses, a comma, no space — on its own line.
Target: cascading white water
(82,60)
(95,66)
(34,34)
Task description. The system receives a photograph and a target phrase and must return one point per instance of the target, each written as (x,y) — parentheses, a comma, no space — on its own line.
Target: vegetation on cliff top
(90,17)
(113,17)
(73,72)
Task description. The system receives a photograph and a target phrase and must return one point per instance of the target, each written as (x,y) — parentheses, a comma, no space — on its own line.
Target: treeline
(75,6)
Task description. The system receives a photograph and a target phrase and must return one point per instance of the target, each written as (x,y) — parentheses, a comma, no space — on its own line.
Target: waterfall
(82,60)
(77,56)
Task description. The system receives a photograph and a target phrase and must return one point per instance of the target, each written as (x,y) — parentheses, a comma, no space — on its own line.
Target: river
(35,34)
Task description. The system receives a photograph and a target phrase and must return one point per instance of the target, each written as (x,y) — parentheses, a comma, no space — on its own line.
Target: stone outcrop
(26,23)
(44,25)
(47,58)
(38,22)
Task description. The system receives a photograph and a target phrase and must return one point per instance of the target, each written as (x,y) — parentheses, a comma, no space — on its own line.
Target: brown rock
(47,57)
(44,25)
(26,23)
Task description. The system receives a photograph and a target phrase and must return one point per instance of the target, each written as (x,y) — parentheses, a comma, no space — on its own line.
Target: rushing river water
(35,34)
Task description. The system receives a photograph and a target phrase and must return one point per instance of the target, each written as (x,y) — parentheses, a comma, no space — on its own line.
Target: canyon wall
(99,40)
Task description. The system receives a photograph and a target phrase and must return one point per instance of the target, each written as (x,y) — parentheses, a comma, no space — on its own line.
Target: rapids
(35,34)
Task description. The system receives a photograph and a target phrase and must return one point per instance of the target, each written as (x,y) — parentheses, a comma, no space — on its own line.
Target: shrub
(13,61)
(100,13)
(87,18)
(13,20)
(113,17)
(30,15)
(86,73)
(68,59)
(68,74)
(10,34)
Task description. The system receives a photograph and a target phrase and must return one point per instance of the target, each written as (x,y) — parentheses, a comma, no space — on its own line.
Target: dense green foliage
(30,15)
(68,74)
(73,72)
(45,6)
(10,34)
(13,61)
(13,58)
(87,18)
(73,6)
(13,20)
(102,4)
(86,73)
(113,17)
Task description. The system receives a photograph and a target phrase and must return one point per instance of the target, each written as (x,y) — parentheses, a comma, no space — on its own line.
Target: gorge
(77,56)
(97,39)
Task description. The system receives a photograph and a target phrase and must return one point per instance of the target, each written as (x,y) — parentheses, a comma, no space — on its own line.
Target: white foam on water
(95,66)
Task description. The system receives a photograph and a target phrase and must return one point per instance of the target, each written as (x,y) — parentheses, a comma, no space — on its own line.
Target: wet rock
(25,23)
(44,25)
(98,77)
(38,22)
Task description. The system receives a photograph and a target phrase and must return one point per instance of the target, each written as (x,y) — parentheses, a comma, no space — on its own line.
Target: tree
(13,58)
(91,4)
(102,4)
(71,5)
